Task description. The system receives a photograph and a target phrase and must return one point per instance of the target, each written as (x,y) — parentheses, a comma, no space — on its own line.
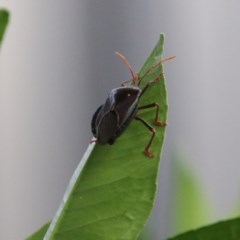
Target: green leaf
(4,16)
(226,230)
(40,233)
(112,192)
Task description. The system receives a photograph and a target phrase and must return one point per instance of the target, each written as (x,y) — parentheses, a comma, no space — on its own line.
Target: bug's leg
(156,121)
(146,151)
(155,80)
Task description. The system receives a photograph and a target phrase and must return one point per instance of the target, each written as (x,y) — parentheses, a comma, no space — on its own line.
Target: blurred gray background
(57,64)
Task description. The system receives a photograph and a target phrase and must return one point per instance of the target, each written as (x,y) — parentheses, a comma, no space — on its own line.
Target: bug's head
(136,80)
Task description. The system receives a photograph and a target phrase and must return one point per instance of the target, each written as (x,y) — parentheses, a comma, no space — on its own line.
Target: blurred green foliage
(4,18)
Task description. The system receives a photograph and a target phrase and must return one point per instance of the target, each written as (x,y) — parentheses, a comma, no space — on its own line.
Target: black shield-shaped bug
(121,107)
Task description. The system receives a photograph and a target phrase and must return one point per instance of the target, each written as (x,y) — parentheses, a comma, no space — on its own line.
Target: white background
(57,65)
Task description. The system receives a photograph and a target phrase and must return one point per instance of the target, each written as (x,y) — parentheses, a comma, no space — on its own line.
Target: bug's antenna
(156,65)
(124,59)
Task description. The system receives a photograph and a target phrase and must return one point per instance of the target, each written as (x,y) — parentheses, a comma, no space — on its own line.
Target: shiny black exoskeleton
(113,117)
(121,107)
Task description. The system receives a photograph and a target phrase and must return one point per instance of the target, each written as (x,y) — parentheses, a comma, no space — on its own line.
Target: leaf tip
(162,37)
